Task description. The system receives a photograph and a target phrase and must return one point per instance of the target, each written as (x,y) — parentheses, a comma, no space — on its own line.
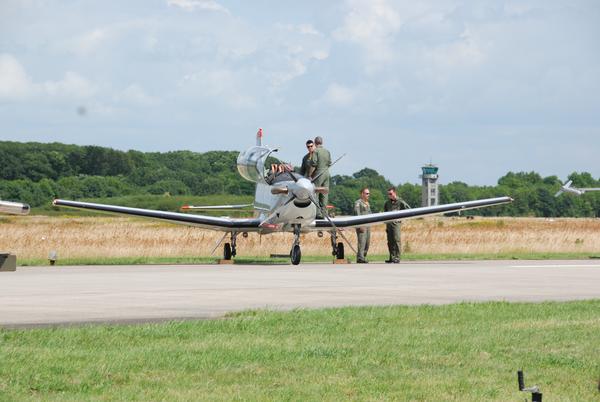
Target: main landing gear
(229,249)
(296,253)
(337,248)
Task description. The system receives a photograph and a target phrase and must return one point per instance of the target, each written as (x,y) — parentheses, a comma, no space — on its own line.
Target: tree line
(36,173)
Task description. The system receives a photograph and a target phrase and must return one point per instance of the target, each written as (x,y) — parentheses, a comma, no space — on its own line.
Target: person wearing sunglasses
(306,167)
(363,235)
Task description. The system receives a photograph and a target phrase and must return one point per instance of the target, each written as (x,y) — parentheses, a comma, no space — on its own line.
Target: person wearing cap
(363,235)
(321,160)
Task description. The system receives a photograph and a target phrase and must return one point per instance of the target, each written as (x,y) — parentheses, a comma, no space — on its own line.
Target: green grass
(305,259)
(461,352)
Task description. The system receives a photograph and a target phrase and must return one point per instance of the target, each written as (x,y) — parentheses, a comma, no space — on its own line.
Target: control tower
(429,191)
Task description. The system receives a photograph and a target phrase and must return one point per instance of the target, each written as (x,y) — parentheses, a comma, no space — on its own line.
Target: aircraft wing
(206,222)
(383,217)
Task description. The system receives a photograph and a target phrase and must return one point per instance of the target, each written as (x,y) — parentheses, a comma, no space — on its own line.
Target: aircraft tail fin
(259,135)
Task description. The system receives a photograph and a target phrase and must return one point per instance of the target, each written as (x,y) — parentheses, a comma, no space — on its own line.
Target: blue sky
(477,87)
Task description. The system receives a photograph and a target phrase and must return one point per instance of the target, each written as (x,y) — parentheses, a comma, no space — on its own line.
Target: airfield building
(430,194)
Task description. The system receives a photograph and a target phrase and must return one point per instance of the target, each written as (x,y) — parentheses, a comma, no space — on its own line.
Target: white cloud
(463,52)
(15,84)
(135,95)
(221,85)
(292,50)
(338,95)
(191,5)
(371,25)
(90,41)
(72,86)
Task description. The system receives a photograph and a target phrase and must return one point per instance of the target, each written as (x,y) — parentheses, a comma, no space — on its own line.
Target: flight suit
(363,235)
(321,160)
(306,167)
(392,230)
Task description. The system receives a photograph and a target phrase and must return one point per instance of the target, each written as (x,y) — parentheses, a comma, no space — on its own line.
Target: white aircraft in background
(14,208)
(284,202)
(568,188)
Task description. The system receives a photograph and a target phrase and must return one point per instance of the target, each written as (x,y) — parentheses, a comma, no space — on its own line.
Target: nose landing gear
(296,253)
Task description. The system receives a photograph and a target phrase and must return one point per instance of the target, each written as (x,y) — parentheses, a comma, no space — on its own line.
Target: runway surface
(66,295)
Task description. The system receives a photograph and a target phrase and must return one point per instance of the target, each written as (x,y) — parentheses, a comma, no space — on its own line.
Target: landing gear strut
(296,253)
(337,248)
(229,249)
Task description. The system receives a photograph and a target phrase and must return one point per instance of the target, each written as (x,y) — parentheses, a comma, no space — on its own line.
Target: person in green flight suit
(321,160)
(363,235)
(306,167)
(392,229)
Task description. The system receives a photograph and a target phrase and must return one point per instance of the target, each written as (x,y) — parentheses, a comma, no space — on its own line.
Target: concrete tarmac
(70,295)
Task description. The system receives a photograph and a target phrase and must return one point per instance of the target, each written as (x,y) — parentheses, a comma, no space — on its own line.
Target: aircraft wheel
(339,254)
(296,255)
(227,251)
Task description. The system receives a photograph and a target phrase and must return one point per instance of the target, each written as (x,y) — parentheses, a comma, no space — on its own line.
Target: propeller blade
(276,211)
(292,176)
(279,190)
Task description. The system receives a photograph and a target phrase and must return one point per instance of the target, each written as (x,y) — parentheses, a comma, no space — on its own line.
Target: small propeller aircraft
(14,208)
(285,201)
(568,188)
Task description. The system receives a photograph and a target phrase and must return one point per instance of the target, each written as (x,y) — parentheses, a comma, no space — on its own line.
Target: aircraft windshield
(251,163)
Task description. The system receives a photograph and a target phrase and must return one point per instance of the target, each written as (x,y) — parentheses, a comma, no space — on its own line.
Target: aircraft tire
(227,251)
(339,254)
(296,254)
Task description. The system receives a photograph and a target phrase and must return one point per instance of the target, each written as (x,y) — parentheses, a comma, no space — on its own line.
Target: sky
(479,88)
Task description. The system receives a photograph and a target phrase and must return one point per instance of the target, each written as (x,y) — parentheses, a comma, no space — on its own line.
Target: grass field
(461,352)
(107,239)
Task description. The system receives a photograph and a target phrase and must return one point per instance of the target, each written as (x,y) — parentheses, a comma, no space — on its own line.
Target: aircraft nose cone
(303,189)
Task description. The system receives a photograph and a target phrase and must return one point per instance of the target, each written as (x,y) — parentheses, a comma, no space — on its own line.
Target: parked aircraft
(568,188)
(285,201)
(14,208)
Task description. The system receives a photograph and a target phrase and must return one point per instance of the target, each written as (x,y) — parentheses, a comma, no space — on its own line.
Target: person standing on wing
(321,160)
(363,235)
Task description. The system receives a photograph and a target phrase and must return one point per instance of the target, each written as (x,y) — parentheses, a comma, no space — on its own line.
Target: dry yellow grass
(34,236)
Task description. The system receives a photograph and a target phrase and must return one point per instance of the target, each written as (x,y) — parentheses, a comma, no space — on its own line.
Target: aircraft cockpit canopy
(251,163)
